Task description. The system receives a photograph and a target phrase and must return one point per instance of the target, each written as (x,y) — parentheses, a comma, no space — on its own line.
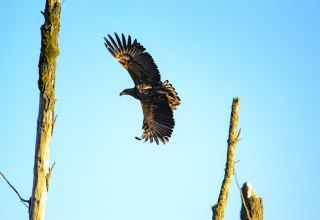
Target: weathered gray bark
(253,203)
(218,209)
(47,70)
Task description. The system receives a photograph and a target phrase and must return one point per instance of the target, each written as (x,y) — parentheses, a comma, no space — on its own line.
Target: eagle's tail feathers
(172,95)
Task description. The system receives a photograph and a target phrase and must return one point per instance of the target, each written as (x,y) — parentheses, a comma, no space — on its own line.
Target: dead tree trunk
(46,118)
(218,209)
(253,203)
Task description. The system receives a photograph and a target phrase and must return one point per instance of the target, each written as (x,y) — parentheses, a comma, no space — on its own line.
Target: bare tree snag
(253,204)
(218,209)
(241,195)
(47,70)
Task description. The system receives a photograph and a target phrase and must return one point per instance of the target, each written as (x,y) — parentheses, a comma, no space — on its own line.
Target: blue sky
(265,52)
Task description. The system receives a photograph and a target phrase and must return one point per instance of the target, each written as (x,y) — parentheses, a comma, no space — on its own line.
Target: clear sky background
(265,52)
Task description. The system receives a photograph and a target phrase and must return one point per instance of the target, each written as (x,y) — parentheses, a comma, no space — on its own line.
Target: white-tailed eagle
(158,99)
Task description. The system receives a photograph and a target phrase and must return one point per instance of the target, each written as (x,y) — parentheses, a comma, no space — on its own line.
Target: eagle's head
(127,92)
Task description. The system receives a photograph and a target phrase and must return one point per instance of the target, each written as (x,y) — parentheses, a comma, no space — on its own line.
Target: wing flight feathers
(158,122)
(133,57)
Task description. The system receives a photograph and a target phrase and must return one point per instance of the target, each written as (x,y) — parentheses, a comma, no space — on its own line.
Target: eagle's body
(158,99)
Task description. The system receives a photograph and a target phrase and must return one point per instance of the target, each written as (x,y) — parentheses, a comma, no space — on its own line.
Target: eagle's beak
(123,93)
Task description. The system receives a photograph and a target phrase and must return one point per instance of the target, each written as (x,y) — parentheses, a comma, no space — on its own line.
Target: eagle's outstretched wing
(133,57)
(158,121)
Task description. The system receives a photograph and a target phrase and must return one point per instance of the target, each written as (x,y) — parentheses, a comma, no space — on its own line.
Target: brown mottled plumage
(158,100)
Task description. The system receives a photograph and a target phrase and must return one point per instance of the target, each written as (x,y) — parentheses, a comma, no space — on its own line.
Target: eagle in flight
(158,99)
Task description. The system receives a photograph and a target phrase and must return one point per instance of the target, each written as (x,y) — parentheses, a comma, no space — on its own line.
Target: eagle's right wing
(133,57)
(158,121)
